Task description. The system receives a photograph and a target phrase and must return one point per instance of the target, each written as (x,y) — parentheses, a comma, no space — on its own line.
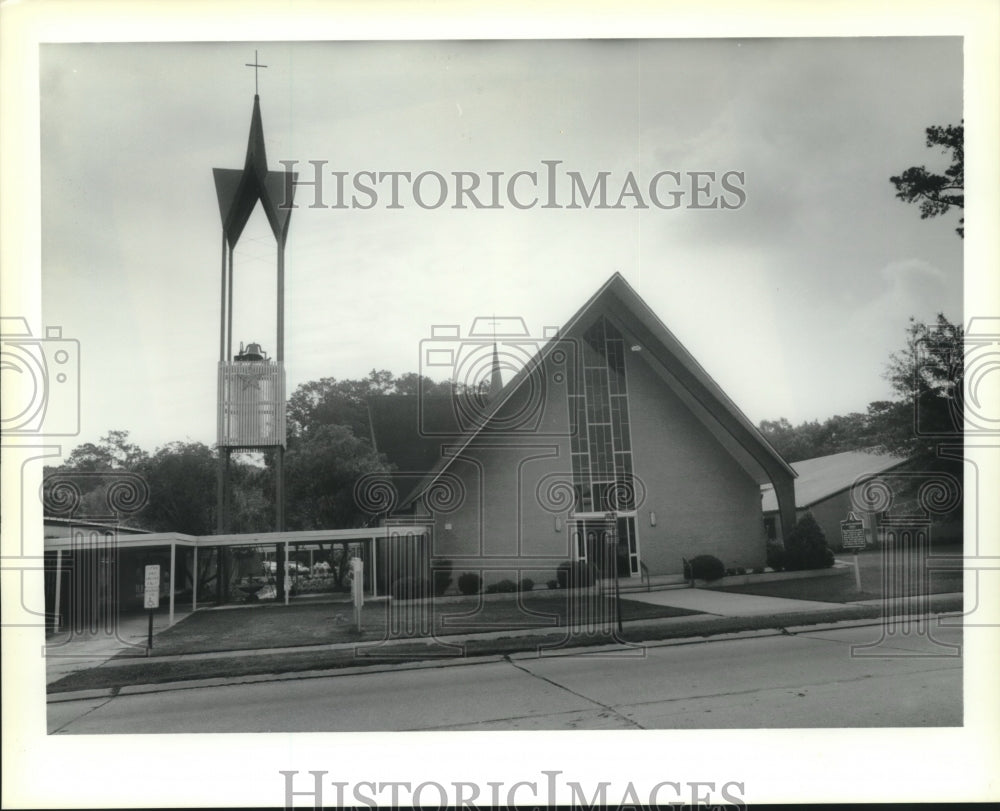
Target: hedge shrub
(504,586)
(575,574)
(526,584)
(706,567)
(776,556)
(469,583)
(441,576)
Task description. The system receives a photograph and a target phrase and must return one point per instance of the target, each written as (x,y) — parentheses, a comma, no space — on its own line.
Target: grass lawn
(306,623)
(904,581)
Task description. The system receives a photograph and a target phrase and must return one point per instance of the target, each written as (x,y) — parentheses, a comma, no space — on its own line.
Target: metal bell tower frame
(251,388)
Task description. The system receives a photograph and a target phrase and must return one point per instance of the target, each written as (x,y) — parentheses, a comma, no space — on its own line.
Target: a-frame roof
(660,348)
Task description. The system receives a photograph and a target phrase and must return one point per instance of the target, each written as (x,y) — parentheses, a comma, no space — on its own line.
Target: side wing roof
(825,476)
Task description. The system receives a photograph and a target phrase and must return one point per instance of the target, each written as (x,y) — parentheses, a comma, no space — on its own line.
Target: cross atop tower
(255,66)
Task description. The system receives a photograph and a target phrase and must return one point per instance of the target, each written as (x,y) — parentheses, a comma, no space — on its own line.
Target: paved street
(803,680)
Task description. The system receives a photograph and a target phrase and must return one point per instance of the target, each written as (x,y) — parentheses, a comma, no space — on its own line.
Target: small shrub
(504,586)
(828,558)
(758,570)
(805,546)
(469,583)
(687,568)
(775,556)
(731,572)
(526,584)
(441,576)
(706,567)
(576,574)
(741,570)
(553,584)
(409,588)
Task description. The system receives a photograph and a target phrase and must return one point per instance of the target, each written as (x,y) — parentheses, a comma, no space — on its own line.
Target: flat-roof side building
(823,488)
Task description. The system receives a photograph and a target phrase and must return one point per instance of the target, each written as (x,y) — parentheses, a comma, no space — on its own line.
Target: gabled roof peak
(617,299)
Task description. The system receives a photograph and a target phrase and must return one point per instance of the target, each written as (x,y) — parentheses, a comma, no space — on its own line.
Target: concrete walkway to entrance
(725,604)
(66,652)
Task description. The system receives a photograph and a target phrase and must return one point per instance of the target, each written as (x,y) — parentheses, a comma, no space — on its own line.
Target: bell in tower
(251,401)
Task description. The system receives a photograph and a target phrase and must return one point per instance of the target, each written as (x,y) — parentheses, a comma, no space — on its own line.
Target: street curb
(81,695)
(427,664)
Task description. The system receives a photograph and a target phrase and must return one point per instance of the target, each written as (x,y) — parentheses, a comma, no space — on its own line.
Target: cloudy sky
(792,302)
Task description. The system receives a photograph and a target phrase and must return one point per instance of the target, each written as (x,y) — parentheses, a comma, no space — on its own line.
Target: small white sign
(152,592)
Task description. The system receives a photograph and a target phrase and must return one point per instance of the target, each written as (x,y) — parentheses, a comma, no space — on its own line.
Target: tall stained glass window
(601,444)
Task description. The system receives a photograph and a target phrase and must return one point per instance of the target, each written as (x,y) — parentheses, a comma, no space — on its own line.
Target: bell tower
(251,385)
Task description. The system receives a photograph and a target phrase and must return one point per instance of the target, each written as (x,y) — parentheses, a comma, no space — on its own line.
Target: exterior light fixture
(652,518)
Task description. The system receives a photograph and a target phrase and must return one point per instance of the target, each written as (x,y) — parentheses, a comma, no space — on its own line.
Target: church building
(611,444)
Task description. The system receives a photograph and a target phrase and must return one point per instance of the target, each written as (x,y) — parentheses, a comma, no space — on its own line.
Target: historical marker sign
(852,532)
(152,586)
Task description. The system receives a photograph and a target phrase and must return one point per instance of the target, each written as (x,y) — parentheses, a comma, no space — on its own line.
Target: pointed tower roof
(496,379)
(239,190)
(256,153)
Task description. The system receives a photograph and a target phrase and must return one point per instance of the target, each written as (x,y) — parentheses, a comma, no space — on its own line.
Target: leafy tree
(927,374)
(251,497)
(811,439)
(937,193)
(321,474)
(112,452)
(182,489)
(181,477)
(329,401)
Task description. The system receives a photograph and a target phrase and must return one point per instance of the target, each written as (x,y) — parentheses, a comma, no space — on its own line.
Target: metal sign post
(611,543)
(852,536)
(151,599)
(357,589)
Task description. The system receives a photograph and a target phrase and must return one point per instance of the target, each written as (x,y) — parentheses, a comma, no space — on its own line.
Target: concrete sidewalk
(66,652)
(728,604)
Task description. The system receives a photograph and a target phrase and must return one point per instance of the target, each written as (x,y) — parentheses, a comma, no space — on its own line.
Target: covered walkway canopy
(83,539)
